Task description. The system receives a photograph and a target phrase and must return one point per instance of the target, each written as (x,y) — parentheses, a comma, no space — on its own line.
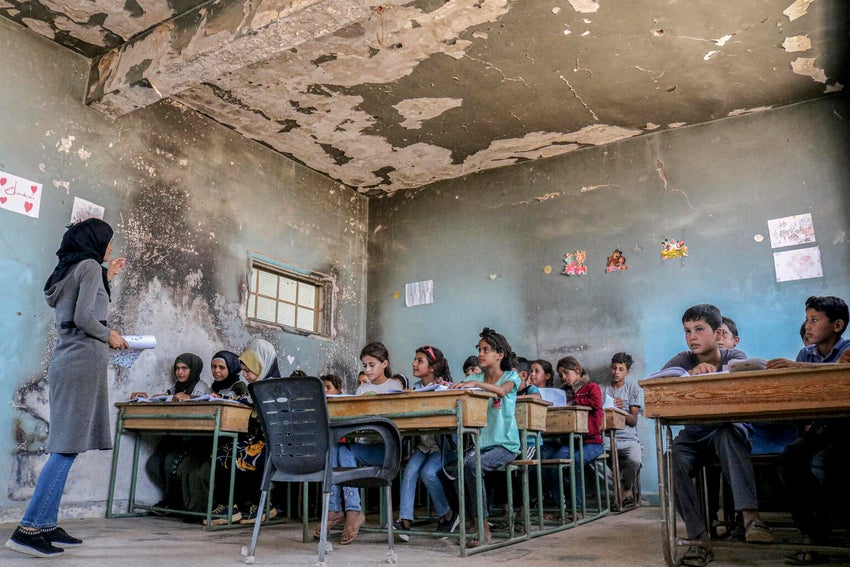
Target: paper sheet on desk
(138,343)
(609,402)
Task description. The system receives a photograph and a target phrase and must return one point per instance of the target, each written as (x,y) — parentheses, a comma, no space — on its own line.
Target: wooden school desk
(531,413)
(220,419)
(763,395)
(450,411)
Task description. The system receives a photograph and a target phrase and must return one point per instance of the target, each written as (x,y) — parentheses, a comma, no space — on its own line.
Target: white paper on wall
(83,210)
(419,293)
(800,264)
(789,231)
(19,195)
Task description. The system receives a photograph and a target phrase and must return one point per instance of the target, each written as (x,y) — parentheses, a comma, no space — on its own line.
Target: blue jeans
(351,456)
(427,467)
(491,459)
(591,452)
(43,509)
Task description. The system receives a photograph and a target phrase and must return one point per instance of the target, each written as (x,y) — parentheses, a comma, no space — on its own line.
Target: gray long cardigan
(79,401)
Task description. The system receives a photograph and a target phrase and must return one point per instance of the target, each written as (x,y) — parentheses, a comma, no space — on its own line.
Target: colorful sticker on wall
(83,210)
(800,264)
(616,262)
(419,293)
(19,195)
(672,248)
(574,263)
(789,231)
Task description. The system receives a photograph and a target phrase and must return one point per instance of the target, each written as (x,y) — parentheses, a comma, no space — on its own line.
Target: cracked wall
(188,200)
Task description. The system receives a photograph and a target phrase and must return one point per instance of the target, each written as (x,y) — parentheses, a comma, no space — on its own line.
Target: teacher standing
(78,291)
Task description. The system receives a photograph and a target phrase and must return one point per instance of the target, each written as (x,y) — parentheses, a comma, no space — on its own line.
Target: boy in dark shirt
(812,467)
(696,443)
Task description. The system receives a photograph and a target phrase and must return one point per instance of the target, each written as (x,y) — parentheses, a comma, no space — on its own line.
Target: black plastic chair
(300,441)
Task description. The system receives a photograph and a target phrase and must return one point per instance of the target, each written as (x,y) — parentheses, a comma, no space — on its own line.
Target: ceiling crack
(660,170)
(578,98)
(491,66)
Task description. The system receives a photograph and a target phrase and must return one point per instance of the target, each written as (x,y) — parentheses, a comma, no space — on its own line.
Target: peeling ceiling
(399,94)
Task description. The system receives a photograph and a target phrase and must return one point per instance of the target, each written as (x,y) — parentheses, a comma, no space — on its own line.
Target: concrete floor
(632,539)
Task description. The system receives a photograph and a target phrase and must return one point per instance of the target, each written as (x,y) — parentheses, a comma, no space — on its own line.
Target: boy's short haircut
(833,307)
(333,379)
(704,312)
(622,358)
(803,332)
(733,328)
(522,364)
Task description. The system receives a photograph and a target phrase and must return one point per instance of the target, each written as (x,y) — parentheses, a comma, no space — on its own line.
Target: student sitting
(523,368)
(333,384)
(426,462)
(811,468)
(470,366)
(580,391)
(728,441)
(163,463)
(258,362)
(626,397)
(377,379)
(499,440)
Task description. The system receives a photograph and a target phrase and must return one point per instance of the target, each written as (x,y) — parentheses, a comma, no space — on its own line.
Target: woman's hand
(465,385)
(115,266)
(117,341)
(135,395)
(181,397)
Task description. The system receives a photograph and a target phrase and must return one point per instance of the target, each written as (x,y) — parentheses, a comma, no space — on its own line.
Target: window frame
(325,288)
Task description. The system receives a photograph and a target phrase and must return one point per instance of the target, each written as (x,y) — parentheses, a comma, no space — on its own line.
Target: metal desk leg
(615,470)
(665,493)
(114,472)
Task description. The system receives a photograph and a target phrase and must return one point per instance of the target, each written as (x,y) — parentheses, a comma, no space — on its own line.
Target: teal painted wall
(485,240)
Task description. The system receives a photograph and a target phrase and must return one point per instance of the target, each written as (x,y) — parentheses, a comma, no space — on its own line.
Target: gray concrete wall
(486,240)
(189,200)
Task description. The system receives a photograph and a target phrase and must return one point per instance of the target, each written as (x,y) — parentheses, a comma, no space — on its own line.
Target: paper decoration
(19,195)
(789,231)
(127,357)
(419,293)
(616,262)
(672,248)
(83,210)
(800,264)
(574,263)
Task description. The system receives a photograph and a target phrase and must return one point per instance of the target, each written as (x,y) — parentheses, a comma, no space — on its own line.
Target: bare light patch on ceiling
(797,43)
(584,6)
(806,66)
(798,9)
(416,110)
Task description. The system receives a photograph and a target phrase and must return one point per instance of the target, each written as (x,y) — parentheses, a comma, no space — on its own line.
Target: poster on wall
(789,231)
(83,210)
(419,293)
(800,264)
(19,195)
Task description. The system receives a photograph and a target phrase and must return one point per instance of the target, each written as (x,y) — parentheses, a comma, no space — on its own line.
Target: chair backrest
(555,395)
(294,415)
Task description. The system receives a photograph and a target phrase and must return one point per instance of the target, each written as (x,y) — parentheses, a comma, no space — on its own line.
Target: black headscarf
(195,364)
(85,240)
(234,370)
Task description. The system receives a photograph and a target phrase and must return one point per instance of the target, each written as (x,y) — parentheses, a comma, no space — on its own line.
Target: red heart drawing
(2,181)
(2,200)
(33,188)
(27,207)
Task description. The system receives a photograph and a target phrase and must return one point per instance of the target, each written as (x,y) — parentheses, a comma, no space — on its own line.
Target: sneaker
(32,543)
(253,512)
(448,526)
(221,511)
(399,527)
(274,512)
(59,536)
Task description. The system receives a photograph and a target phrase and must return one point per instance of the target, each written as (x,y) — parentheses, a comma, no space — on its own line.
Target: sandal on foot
(352,527)
(697,556)
(478,543)
(758,532)
(804,558)
(333,520)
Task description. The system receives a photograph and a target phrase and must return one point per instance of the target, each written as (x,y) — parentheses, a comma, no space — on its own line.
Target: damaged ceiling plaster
(396,95)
